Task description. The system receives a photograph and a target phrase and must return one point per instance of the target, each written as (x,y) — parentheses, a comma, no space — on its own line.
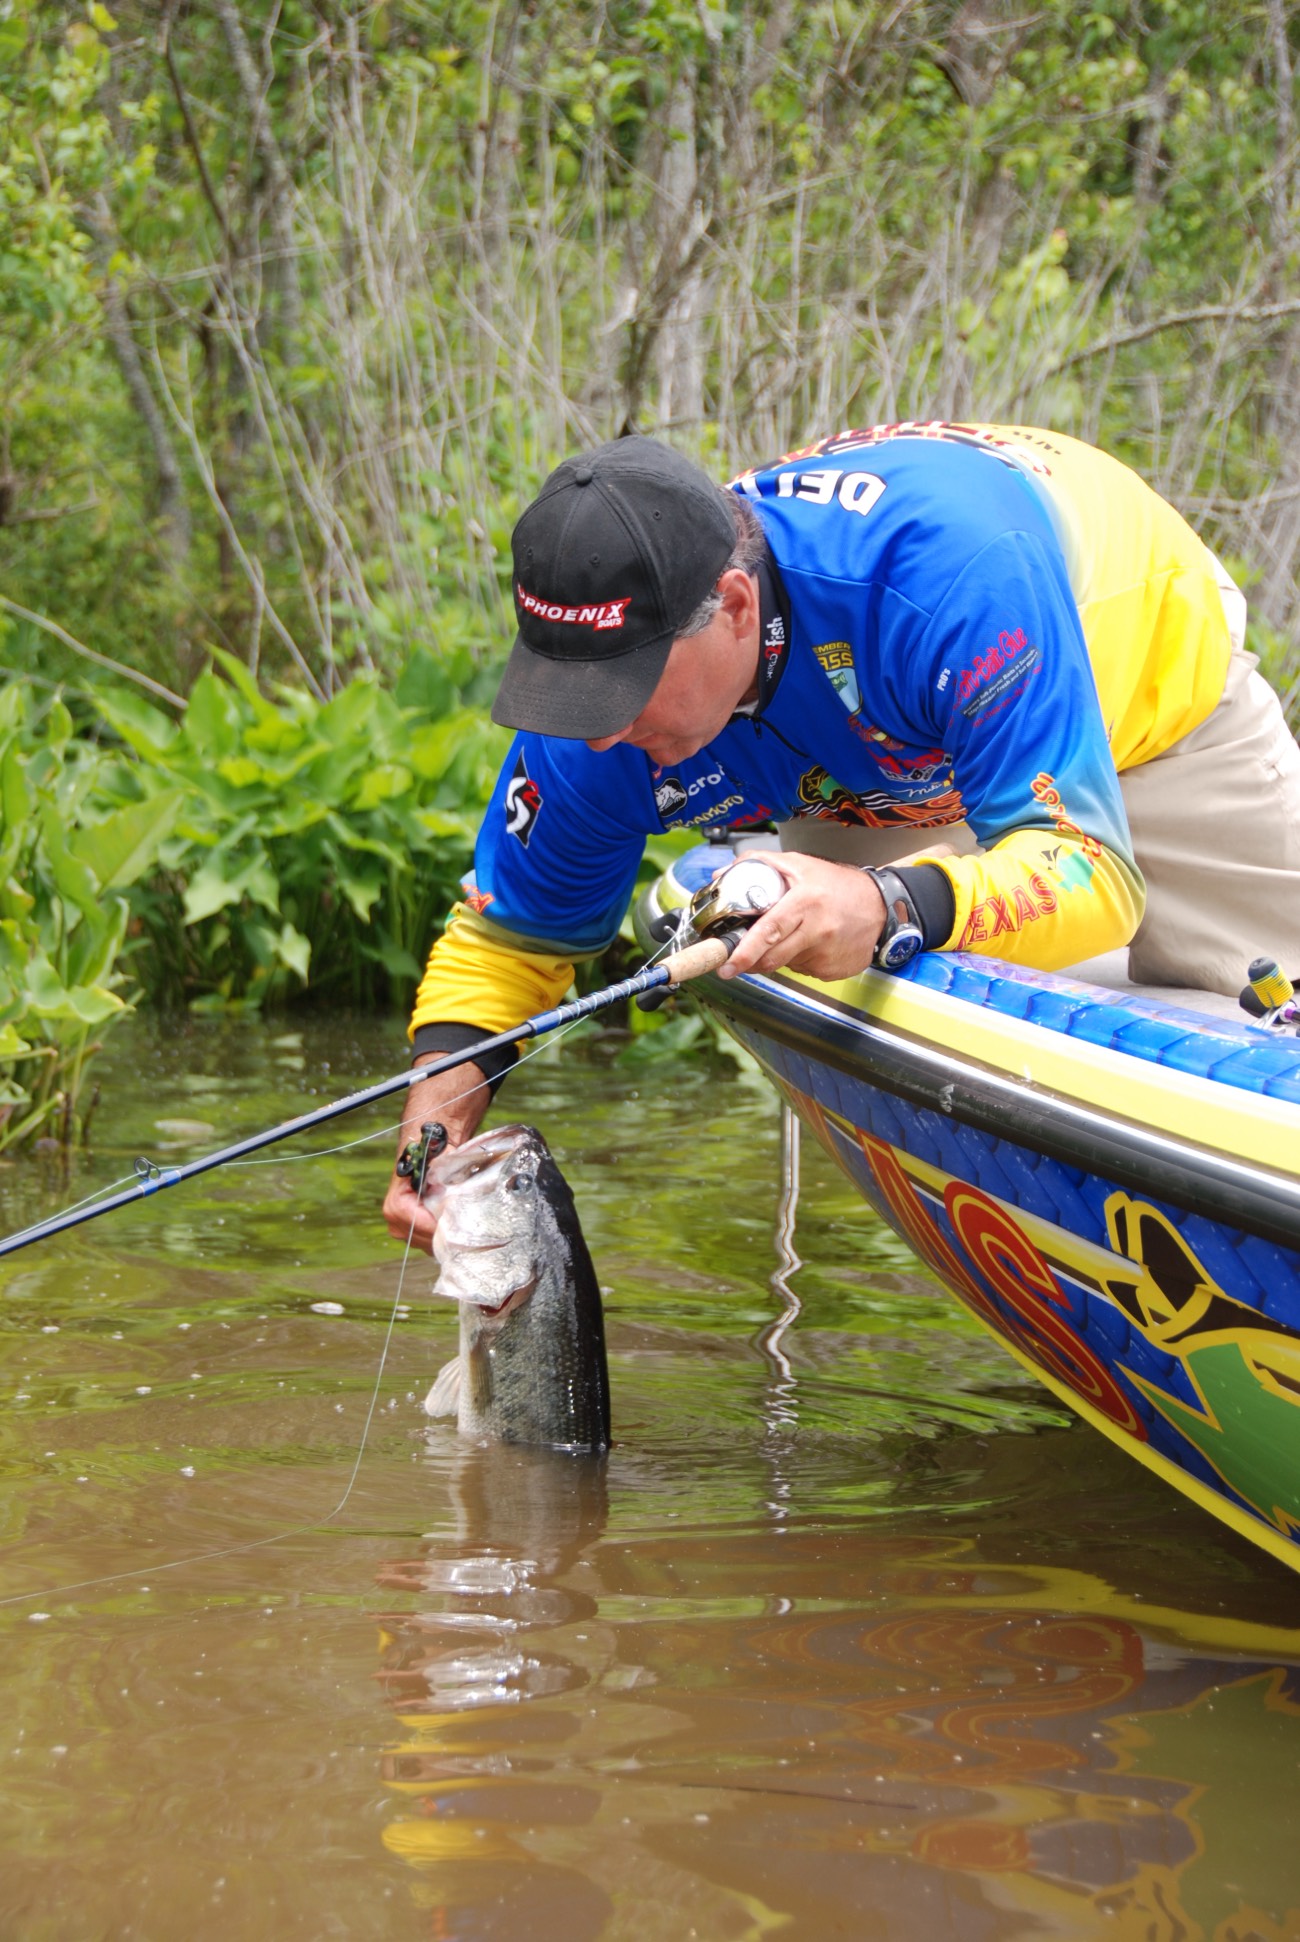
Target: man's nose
(607,741)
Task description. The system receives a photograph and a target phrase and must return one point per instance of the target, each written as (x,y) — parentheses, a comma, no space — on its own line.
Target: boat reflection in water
(830,1730)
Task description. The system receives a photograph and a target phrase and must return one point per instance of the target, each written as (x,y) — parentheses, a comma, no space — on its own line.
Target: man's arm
(458,1100)
(556,860)
(1056,881)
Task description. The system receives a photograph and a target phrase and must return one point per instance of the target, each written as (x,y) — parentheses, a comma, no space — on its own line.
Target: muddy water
(853,1634)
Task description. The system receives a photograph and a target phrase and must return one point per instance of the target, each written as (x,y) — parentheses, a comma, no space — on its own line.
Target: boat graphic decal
(997,1270)
(1243,1368)
(1180,1362)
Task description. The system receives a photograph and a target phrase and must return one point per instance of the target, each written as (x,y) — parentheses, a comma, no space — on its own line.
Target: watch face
(900,949)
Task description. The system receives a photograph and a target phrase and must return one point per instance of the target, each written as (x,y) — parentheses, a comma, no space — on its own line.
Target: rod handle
(697,960)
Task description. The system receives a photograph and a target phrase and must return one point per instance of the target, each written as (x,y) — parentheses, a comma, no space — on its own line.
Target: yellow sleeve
(478,974)
(1043,899)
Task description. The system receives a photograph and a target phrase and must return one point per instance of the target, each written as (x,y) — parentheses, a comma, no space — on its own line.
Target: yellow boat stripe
(1246,1125)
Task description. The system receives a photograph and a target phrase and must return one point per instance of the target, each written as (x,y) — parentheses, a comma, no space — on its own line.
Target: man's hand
(459,1100)
(826,924)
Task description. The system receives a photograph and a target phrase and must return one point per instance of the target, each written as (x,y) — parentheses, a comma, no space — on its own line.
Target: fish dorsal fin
(444,1398)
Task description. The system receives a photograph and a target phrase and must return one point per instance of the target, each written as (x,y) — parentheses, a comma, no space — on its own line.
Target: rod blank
(541,1022)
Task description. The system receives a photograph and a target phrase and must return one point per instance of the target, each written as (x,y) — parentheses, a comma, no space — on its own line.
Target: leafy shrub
(63,916)
(305,841)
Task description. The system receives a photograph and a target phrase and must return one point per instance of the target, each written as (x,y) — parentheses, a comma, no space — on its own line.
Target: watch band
(902,935)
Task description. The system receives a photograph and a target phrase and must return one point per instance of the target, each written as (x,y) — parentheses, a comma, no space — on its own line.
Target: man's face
(705,678)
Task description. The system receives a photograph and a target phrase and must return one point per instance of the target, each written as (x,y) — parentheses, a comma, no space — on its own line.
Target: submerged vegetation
(299,300)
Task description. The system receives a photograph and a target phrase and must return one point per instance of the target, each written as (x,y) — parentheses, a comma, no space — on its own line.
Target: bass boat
(1109,1180)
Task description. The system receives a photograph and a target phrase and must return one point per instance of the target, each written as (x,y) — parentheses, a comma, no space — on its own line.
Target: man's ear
(739,592)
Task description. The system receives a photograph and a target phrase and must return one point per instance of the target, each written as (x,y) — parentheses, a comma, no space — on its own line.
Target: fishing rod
(694,960)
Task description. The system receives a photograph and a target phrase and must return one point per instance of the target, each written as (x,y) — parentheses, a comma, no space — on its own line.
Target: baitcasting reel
(735,899)
(723,909)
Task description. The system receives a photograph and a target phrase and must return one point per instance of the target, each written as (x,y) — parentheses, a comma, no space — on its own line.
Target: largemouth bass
(531,1367)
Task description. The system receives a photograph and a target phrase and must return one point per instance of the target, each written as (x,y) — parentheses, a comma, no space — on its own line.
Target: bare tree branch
(1210,313)
(279,180)
(89,653)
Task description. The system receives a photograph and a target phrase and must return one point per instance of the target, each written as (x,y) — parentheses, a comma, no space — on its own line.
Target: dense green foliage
(224,861)
(297,301)
(303,839)
(62,916)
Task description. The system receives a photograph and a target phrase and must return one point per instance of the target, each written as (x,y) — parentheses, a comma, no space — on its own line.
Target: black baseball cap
(614,554)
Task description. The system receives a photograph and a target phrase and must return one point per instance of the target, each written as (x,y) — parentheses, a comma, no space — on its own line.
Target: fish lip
(497,1311)
(480,1152)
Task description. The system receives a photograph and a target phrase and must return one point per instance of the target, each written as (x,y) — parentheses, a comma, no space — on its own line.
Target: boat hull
(1148,1274)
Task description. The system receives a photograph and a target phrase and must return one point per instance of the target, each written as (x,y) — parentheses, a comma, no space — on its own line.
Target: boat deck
(1111,971)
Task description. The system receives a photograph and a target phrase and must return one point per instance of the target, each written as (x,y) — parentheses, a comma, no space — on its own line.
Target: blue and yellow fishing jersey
(959,623)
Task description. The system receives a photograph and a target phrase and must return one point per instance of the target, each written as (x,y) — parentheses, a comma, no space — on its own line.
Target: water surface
(854,1633)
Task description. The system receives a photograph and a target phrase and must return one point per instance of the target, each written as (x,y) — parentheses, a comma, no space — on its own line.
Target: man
(997,635)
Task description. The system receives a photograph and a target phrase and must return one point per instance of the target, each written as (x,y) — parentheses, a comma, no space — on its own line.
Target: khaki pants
(1215,823)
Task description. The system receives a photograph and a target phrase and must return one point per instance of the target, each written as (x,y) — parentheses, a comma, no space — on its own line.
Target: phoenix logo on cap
(605,614)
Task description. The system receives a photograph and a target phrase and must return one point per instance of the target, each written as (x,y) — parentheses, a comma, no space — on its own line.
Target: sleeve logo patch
(836,658)
(670,797)
(993,677)
(606,615)
(523,803)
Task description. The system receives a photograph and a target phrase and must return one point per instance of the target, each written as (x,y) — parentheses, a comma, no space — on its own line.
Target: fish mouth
(478,1161)
(497,1311)
(476,1156)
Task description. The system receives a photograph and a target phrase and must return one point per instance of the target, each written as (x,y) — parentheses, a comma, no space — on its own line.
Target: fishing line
(109,1187)
(324,1152)
(53,1592)
(250,1544)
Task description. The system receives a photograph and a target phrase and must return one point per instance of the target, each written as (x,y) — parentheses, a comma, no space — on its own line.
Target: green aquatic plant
(313,843)
(66,861)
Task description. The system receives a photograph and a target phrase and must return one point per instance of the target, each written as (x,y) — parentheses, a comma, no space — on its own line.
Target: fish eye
(518,1183)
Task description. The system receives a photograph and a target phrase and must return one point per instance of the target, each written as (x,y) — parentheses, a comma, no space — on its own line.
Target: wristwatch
(902,936)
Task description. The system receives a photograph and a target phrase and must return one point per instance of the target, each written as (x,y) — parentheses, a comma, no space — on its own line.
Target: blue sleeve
(561,841)
(1000,677)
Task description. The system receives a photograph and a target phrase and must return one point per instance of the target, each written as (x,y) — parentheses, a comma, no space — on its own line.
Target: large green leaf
(71,877)
(15,796)
(219,882)
(211,719)
(50,998)
(294,950)
(343,717)
(245,681)
(13,1045)
(125,844)
(382,783)
(142,727)
(95,945)
(362,889)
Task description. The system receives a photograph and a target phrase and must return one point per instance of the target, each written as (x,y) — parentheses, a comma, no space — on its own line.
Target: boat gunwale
(1242,1194)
